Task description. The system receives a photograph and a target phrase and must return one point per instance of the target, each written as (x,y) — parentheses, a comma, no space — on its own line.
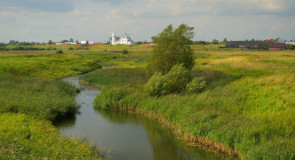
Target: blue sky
(95,20)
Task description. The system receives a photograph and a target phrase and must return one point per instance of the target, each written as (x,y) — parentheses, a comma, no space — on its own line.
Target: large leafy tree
(172,47)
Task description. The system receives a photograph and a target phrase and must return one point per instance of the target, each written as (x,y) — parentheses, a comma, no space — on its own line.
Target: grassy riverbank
(32,97)
(247,106)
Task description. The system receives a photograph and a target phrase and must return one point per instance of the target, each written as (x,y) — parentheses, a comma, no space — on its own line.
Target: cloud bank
(95,20)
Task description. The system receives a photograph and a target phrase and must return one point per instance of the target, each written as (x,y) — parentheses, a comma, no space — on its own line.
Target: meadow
(245,110)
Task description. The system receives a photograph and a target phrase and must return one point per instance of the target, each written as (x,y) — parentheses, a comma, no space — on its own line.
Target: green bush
(174,81)
(197,85)
(59,52)
(125,51)
(71,48)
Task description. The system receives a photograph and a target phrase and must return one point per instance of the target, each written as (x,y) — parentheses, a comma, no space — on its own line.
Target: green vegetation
(238,101)
(59,52)
(23,137)
(175,81)
(172,48)
(247,106)
(125,51)
(43,99)
(32,97)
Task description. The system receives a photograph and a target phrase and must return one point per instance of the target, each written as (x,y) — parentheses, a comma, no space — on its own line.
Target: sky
(95,20)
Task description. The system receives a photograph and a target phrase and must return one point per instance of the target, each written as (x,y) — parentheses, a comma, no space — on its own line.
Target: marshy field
(246,109)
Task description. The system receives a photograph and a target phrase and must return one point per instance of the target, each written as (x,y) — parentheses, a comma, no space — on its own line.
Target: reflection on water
(127,136)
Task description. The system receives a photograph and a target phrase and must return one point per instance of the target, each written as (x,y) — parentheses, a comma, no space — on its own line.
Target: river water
(123,136)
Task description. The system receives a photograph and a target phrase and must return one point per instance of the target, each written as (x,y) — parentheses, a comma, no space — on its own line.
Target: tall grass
(44,99)
(23,137)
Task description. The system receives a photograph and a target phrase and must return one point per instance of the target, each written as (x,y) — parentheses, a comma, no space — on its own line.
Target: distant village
(125,39)
(267,44)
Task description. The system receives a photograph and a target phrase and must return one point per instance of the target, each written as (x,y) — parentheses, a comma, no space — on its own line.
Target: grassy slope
(248,105)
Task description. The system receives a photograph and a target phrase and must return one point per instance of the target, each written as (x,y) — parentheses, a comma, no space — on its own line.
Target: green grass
(247,106)
(116,75)
(43,99)
(24,137)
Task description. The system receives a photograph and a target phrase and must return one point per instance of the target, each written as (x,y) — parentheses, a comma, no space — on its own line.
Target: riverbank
(32,98)
(247,105)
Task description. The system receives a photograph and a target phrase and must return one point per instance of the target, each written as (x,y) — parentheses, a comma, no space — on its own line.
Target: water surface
(124,136)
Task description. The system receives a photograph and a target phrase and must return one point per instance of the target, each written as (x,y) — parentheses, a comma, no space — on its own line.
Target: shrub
(71,48)
(174,81)
(59,52)
(125,51)
(4,49)
(197,85)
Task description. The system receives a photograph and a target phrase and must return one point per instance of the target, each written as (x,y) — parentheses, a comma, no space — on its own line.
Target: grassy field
(247,107)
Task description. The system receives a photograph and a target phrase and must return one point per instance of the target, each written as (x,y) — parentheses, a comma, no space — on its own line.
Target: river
(122,136)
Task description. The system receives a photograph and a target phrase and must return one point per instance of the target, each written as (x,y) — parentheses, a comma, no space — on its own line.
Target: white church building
(125,39)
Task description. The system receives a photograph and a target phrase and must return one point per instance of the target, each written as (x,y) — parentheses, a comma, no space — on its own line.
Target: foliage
(215,41)
(173,82)
(264,46)
(172,48)
(290,46)
(125,51)
(3,48)
(197,85)
(59,52)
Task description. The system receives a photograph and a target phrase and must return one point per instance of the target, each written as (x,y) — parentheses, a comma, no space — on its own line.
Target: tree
(224,40)
(63,41)
(50,42)
(71,40)
(215,41)
(171,48)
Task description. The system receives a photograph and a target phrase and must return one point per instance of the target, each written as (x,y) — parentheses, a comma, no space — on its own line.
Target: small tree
(171,48)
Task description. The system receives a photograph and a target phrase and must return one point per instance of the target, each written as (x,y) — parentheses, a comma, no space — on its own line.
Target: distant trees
(63,41)
(224,41)
(50,42)
(200,42)
(215,41)
(172,48)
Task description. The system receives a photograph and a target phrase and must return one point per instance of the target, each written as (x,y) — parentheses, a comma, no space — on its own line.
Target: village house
(277,46)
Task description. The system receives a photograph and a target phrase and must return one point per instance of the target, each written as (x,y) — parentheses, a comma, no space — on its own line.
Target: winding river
(122,136)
